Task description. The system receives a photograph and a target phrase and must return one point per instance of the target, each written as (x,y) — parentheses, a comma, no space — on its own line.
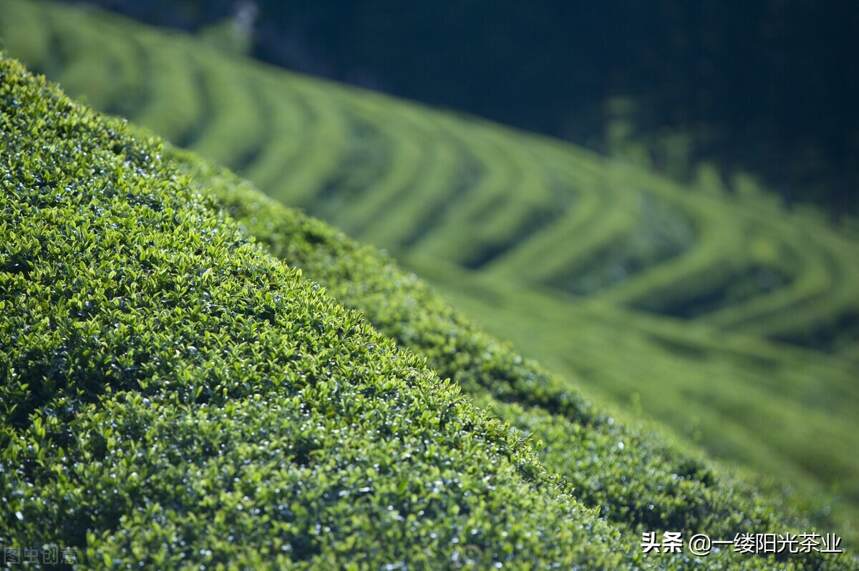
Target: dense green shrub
(172,394)
(507,225)
(631,474)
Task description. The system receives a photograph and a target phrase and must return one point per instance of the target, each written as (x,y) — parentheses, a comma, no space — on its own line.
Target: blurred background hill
(764,87)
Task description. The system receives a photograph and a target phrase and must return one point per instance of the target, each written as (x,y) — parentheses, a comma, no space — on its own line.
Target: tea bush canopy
(173,392)
(728,318)
(193,372)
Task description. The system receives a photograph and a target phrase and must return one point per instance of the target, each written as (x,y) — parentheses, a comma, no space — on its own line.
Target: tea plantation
(176,381)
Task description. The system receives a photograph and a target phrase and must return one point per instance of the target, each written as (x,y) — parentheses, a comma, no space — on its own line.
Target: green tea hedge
(633,476)
(172,394)
(506,225)
(646,482)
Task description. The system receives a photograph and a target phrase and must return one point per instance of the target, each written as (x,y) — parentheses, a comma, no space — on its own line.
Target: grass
(533,238)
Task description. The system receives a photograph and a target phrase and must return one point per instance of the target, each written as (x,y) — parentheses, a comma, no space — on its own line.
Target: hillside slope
(416,181)
(636,476)
(678,302)
(710,308)
(172,393)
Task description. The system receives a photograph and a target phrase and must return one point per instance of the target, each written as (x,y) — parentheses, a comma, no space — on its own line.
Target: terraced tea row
(425,185)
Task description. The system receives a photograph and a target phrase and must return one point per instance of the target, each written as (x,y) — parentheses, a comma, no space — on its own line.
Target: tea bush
(172,394)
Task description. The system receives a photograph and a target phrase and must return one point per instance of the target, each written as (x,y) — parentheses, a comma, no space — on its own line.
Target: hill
(174,393)
(710,308)
(673,78)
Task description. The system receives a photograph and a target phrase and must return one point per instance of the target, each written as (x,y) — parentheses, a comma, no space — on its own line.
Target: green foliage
(715,311)
(636,479)
(172,394)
